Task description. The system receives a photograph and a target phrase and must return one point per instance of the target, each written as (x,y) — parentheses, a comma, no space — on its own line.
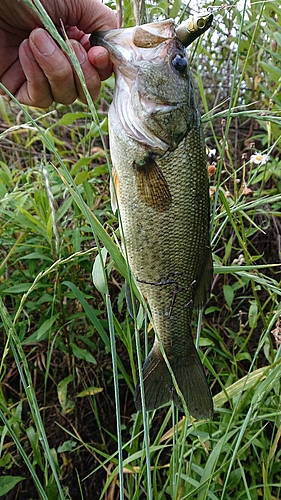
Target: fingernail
(43,42)
(101,60)
(25,46)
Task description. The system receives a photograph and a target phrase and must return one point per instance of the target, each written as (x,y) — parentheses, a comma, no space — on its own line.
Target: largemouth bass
(161,183)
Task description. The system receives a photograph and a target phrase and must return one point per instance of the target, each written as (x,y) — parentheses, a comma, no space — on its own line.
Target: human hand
(32,66)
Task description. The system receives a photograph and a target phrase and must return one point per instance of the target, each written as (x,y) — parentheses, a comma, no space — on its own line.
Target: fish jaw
(124,46)
(131,48)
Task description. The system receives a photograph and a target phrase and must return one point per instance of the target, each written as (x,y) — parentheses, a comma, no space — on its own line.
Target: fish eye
(179,63)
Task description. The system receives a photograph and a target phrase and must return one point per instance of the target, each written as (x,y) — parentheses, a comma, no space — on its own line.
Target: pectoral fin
(152,185)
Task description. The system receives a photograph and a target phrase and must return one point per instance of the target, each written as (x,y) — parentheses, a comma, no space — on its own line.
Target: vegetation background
(69,350)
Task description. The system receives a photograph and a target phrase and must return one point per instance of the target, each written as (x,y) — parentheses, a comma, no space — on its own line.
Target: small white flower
(259,158)
(212,152)
(240,261)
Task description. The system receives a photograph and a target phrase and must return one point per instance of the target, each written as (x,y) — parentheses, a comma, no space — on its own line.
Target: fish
(160,186)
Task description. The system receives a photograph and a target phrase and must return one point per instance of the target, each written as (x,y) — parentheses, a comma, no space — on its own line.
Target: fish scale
(161,183)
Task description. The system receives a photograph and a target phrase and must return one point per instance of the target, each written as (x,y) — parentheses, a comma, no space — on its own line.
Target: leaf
(49,228)
(97,324)
(272,70)
(140,317)
(43,332)
(20,288)
(65,403)
(81,177)
(3,190)
(252,315)
(98,273)
(7,483)
(175,8)
(36,256)
(69,118)
(277,37)
(5,174)
(228,295)
(30,220)
(34,441)
(90,391)
(67,446)
(80,353)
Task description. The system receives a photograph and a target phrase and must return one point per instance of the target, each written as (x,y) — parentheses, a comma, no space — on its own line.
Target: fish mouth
(108,40)
(124,44)
(128,47)
(121,42)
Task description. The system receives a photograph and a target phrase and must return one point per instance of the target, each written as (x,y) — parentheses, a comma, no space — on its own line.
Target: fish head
(154,96)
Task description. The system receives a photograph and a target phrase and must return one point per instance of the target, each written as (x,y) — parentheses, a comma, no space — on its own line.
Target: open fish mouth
(124,45)
(153,34)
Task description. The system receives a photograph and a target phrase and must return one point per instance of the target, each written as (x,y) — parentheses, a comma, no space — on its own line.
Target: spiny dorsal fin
(152,185)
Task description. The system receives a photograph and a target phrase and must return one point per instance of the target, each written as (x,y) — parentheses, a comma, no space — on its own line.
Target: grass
(71,352)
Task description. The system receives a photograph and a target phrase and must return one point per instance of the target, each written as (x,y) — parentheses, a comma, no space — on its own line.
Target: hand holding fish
(33,67)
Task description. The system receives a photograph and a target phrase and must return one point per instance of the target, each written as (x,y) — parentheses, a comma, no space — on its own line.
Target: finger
(73,33)
(99,58)
(13,78)
(91,76)
(35,90)
(55,66)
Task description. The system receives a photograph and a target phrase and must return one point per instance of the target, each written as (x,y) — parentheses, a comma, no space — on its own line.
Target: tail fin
(190,377)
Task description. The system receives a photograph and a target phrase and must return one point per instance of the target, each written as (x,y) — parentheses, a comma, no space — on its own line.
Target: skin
(34,69)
